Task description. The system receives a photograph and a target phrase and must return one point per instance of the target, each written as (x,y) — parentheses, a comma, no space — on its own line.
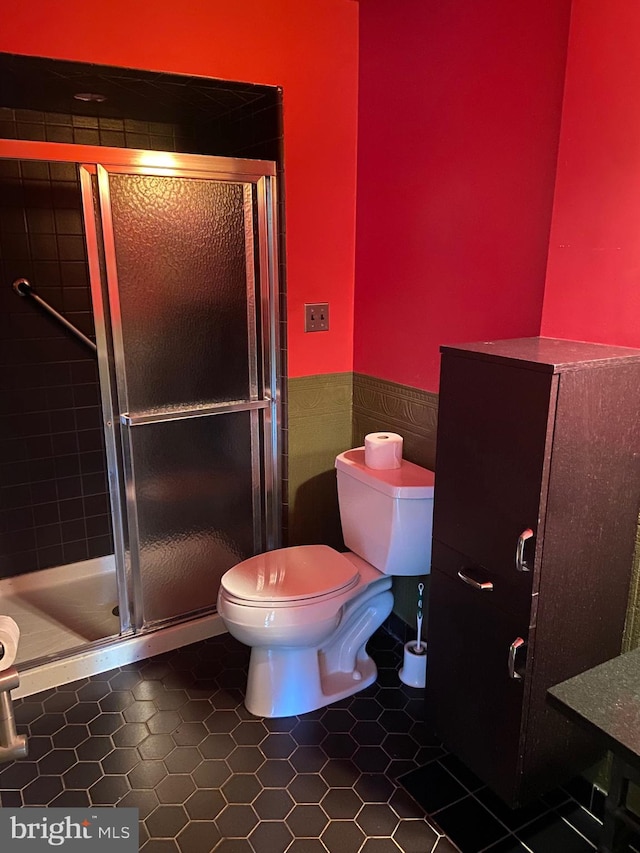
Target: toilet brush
(414,667)
(419,634)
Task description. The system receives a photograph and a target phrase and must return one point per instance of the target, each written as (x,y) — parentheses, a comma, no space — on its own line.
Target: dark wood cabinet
(536,507)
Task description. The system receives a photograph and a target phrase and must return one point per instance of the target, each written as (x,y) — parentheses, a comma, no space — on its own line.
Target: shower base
(66,614)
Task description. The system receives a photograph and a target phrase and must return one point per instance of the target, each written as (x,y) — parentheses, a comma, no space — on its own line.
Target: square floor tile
(433,786)
(550,834)
(470,826)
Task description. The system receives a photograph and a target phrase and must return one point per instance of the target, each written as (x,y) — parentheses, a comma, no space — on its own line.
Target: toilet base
(286,682)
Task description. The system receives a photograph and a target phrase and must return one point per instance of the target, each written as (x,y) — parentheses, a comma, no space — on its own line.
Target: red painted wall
(460,109)
(593,279)
(308,48)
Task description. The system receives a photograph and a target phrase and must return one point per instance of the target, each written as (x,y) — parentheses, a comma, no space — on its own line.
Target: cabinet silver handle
(483,586)
(513,651)
(521,563)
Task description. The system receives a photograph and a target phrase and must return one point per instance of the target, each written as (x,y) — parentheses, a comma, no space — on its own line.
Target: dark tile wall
(254,133)
(92,130)
(54,503)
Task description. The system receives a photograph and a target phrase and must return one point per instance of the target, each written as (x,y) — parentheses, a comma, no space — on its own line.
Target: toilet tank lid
(290,574)
(409,481)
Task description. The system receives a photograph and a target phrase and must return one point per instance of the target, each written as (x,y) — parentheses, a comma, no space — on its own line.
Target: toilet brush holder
(414,669)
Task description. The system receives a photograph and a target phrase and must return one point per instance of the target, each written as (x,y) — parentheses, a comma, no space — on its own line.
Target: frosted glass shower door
(188,256)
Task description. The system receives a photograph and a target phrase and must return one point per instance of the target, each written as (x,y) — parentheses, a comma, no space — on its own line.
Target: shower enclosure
(181,252)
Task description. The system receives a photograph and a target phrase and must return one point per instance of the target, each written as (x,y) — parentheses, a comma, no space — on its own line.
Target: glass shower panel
(189,263)
(183,264)
(195,491)
(184,256)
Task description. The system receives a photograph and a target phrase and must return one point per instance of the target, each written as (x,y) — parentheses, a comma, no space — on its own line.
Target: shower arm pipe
(23,287)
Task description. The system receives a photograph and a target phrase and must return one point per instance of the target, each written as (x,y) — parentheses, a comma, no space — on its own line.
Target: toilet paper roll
(9,639)
(383,450)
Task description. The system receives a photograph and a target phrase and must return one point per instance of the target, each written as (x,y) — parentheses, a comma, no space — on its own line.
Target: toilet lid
(290,574)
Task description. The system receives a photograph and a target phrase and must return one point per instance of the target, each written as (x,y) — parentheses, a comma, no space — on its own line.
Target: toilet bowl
(307,649)
(308,611)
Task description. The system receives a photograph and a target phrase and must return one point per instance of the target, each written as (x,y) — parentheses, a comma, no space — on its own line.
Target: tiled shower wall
(54,505)
(54,502)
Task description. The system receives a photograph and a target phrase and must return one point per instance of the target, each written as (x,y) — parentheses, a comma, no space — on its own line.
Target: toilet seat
(290,577)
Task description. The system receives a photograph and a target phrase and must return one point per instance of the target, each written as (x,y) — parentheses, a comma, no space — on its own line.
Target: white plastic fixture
(386,515)
(307,612)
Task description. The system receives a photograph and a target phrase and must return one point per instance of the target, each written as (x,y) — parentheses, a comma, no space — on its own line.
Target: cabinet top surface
(550,355)
(606,700)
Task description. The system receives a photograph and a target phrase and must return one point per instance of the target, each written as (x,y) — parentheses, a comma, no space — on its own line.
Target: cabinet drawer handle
(513,651)
(521,563)
(483,586)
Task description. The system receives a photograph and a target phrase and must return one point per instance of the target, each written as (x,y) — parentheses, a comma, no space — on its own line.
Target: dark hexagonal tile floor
(171,737)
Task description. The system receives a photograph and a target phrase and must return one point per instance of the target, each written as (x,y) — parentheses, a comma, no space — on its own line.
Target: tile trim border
(411,412)
(322,394)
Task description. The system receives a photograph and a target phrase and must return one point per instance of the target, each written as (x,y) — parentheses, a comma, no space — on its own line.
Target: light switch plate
(316,317)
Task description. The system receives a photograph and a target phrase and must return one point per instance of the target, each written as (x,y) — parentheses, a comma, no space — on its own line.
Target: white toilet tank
(386,515)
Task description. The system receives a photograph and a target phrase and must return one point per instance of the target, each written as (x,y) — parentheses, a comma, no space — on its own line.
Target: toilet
(308,611)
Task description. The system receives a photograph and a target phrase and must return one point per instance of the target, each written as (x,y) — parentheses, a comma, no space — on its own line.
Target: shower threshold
(68,629)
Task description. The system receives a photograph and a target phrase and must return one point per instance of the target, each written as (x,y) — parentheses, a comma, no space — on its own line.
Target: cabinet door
(473,703)
(494,429)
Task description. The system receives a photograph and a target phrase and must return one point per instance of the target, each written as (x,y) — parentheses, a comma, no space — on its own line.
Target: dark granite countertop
(606,701)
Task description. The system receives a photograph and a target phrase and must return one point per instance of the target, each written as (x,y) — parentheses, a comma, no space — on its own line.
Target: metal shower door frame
(93,160)
(264,401)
